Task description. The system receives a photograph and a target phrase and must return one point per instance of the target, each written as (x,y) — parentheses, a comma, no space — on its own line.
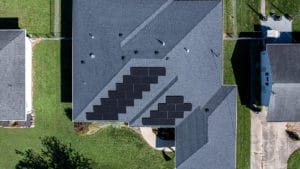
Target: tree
(54,155)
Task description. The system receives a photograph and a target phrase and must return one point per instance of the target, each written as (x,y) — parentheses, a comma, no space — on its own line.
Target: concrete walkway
(263,7)
(151,139)
(56,17)
(270,145)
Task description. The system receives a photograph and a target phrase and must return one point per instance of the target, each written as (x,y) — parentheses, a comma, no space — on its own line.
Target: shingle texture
(285,96)
(159,64)
(12,75)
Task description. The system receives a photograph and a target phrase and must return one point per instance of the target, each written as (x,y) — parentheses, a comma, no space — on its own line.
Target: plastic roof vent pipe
(186,49)
(161,42)
(91,35)
(92,55)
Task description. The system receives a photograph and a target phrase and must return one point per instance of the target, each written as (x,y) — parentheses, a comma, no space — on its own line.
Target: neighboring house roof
(159,64)
(12,75)
(285,96)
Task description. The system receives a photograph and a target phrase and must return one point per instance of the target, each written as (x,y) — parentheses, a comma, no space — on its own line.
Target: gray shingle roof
(12,75)
(283,59)
(285,96)
(184,38)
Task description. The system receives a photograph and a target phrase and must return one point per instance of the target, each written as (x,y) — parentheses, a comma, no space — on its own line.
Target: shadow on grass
(66,51)
(245,64)
(68,112)
(165,155)
(9,23)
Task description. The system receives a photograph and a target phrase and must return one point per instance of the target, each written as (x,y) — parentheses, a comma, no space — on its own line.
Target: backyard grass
(36,16)
(243,113)
(247,15)
(294,160)
(111,148)
(228,19)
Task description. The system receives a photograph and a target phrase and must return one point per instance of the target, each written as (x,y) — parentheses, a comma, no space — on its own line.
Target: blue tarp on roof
(266,79)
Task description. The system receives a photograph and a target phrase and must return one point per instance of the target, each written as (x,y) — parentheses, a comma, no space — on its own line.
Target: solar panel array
(168,112)
(132,88)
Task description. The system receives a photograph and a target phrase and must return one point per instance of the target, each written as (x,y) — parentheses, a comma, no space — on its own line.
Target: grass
(243,113)
(294,160)
(228,20)
(34,15)
(111,148)
(247,18)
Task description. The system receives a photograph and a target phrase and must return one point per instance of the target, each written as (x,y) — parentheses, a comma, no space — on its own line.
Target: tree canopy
(54,155)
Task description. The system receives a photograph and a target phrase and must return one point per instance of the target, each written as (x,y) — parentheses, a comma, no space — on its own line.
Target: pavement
(155,142)
(270,145)
(284,26)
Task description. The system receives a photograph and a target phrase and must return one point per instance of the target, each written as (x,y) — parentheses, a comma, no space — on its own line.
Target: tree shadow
(261,16)
(68,112)
(66,51)
(245,63)
(9,23)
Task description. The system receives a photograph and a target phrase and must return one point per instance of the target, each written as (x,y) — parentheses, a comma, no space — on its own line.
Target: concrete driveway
(270,145)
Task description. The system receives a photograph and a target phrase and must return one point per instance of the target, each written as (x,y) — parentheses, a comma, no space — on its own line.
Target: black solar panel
(175,114)
(158,114)
(174,99)
(157,121)
(184,107)
(157,71)
(166,107)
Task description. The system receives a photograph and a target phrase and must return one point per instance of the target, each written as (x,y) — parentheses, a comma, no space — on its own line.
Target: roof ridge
(9,36)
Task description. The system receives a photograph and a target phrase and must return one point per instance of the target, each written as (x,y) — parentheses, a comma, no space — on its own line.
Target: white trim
(28,77)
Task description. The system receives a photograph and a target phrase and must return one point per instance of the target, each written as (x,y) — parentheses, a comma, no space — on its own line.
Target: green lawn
(228,17)
(247,17)
(243,113)
(34,15)
(110,148)
(294,160)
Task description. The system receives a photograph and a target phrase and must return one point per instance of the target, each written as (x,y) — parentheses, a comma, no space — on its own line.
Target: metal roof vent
(82,62)
(91,35)
(161,42)
(92,55)
(186,49)
(120,34)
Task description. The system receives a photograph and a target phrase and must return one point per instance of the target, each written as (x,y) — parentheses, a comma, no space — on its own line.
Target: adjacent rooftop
(285,96)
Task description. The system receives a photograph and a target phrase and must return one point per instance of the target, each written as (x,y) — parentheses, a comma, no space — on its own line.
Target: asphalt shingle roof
(285,96)
(181,38)
(12,75)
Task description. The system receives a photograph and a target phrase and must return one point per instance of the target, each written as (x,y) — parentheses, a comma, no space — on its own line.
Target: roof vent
(156,52)
(82,62)
(84,82)
(120,34)
(206,109)
(122,57)
(161,42)
(186,49)
(167,58)
(92,55)
(136,52)
(214,53)
(91,35)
